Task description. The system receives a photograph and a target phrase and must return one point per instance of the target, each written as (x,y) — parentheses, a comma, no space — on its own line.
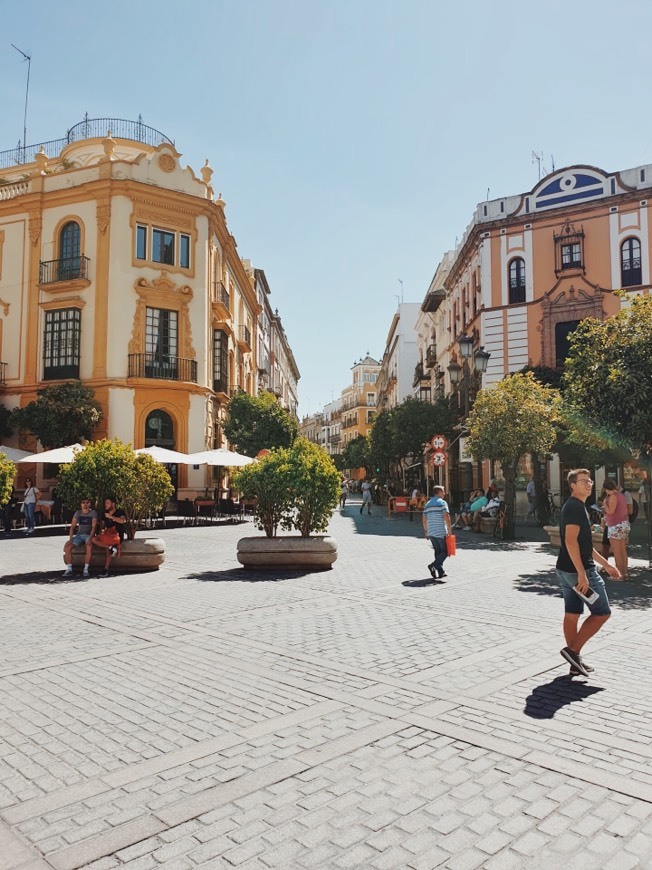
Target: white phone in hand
(590,596)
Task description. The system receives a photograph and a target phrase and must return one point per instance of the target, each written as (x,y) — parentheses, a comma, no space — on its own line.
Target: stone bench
(141,554)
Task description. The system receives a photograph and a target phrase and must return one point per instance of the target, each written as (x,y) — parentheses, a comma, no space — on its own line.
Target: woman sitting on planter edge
(110,538)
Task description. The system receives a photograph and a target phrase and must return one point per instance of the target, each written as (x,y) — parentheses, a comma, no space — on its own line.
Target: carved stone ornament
(561,304)
(162,293)
(103,214)
(5,307)
(166,162)
(35,226)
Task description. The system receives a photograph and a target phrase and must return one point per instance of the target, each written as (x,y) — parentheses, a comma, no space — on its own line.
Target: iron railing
(89,128)
(165,368)
(3,373)
(66,269)
(221,385)
(244,335)
(221,295)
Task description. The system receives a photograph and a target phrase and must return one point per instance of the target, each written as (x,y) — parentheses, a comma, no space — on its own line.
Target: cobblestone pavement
(203,716)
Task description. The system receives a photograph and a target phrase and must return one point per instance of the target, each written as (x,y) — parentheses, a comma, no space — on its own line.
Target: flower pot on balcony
(313,554)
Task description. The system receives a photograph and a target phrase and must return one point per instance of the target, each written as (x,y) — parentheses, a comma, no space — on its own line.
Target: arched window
(516,281)
(159,429)
(69,251)
(630,263)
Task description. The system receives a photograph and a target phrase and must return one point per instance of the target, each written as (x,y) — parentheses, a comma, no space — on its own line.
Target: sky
(351,139)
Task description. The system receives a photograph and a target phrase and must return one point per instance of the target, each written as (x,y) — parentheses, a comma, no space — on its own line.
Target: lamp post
(463,378)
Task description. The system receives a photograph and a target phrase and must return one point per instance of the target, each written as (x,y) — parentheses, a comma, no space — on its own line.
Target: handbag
(22,507)
(451,545)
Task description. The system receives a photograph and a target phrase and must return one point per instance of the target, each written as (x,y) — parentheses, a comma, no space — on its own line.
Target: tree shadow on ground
(241,575)
(635,594)
(545,700)
(42,577)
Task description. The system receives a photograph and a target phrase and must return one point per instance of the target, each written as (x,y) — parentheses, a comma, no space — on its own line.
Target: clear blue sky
(351,139)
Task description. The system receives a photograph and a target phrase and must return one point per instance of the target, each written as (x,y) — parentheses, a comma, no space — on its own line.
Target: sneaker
(68,571)
(574,660)
(113,551)
(105,573)
(442,574)
(575,672)
(433,571)
(86,573)
(469,528)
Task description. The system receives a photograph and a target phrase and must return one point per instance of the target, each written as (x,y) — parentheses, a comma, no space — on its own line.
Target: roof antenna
(539,159)
(401,283)
(28,58)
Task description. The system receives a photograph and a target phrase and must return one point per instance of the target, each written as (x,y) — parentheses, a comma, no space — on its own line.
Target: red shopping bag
(451,545)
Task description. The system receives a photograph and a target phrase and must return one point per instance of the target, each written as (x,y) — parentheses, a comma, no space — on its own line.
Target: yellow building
(359,403)
(117,268)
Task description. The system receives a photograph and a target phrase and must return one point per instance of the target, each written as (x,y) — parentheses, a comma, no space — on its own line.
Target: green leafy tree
(7,422)
(608,378)
(267,482)
(516,417)
(382,448)
(356,453)
(61,414)
(7,476)
(315,485)
(140,485)
(258,422)
(414,422)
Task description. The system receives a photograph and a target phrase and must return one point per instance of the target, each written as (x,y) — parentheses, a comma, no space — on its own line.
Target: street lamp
(480,360)
(465,343)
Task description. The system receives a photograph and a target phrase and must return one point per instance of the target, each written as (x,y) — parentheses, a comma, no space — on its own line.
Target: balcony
(433,300)
(3,374)
(431,356)
(67,269)
(221,385)
(221,300)
(335,439)
(244,338)
(164,368)
(420,375)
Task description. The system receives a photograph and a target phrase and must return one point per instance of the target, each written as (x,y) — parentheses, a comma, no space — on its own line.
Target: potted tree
(294,489)
(140,485)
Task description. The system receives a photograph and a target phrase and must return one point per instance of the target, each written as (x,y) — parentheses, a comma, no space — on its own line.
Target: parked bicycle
(548,510)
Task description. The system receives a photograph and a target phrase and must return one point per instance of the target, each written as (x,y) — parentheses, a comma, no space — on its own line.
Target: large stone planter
(314,554)
(141,554)
(555,541)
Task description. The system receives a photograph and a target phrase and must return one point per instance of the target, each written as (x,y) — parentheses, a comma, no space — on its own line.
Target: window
(220,361)
(141,243)
(162,246)
(370,377)
(630,263)
(517,281)
(161,334)
(371,400)
(69,251)
(571,256)
(61,343)
(562,333)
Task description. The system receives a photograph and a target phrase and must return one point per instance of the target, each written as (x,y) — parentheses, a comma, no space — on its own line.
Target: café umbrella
(56,456)
(13,453)
(226,458)
(165,456)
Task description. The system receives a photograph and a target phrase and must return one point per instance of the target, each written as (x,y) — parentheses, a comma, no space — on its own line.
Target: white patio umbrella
(13,453)
(56,456)
(167,457)
(228,458)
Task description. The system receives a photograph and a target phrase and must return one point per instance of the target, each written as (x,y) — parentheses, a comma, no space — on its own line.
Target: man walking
(437,526)
(366,496)
(576,568)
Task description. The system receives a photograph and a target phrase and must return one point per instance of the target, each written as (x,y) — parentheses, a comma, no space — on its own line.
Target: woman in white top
(32,494)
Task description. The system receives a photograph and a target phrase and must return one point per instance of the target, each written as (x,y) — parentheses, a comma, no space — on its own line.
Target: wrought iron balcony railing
(221,295)
(161,367)
(66,269)
(244,336)
(221,385)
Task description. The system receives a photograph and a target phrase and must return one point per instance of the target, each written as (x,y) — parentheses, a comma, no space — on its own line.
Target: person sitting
(82,529)
(477,506)
(463,518)
(110,538)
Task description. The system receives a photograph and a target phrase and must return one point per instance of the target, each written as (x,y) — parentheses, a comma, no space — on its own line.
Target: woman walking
(31,496)
(617,523)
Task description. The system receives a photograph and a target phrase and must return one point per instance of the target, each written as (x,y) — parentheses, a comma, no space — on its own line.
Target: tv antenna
(28,58)
(538,157)
(401,283)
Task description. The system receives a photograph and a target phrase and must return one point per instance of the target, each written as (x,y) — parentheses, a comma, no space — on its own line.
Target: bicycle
(500,521)
(547,511)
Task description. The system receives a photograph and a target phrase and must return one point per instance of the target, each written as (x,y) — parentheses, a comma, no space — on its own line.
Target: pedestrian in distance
(110,538)
(82,529)
(344,491)
(531,493)
(366,496)
(616,520)
(30,497)
(436,527)
(577,573)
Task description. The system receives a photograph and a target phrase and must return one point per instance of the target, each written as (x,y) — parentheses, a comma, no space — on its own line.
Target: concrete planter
(555,541)
(141,554)
(314,554)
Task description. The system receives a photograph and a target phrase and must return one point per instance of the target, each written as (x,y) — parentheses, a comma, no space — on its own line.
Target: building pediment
(571,186)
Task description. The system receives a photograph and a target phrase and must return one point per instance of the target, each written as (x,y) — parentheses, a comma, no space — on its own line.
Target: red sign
(438,442)
(439,457)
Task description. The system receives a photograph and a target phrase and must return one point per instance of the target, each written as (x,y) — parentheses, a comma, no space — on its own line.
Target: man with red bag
(437,527)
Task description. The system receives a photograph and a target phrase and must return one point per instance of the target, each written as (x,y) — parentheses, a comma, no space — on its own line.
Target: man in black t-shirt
(576,568)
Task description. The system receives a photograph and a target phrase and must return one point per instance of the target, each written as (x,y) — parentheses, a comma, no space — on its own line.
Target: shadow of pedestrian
(627,595)
(547,699)
(418,584)
(40,577)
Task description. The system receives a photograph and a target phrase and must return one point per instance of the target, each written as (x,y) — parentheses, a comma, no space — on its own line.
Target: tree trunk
(509,520)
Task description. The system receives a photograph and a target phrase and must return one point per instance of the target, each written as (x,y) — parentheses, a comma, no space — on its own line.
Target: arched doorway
(159,432)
